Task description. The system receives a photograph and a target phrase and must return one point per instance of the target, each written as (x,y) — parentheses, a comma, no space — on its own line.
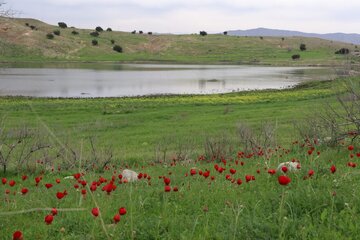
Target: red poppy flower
(93,187)
(83,191)
(167,188)
(167,181)
(57,180)
(54,211)
(248,178)
(48,185)
(77,176)
(284,180)
(122,211)
(239,182)
(60,195)
(284,169)
(12,183)
(272,171)
(140,176)
(24,177)
(350,147)
(175,189)
(95,212)
(17,235)
(206,174)
(48,219)
(333,169)
(193,171)
(232,171)
(311,172)
(4,180)
(116,218)
(24,191)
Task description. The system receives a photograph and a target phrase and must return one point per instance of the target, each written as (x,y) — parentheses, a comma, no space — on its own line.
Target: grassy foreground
(19,42)
(244,200)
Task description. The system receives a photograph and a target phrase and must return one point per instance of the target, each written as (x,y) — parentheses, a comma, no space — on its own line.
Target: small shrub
(50,36)
(295,56)
(56,32)
(117,48)
(149,33)
(94,42)
(282,39)
(343,51)
(261,38)
(75,33)
(27,24)
(33,27)
(203,33)
(94,34)
(133,32)
(302,47)
(109,30)
(225,33)
(99,29)
(112,41)
(62,24)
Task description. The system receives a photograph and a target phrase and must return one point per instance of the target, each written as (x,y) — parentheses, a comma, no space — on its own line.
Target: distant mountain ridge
(341,37)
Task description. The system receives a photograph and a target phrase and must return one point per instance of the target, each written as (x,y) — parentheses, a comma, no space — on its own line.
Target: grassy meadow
(244,200)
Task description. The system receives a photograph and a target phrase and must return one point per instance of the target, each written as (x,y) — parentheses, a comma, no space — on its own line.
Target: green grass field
(19,43)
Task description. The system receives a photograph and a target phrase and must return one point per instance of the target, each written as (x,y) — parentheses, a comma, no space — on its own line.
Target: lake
(119,80)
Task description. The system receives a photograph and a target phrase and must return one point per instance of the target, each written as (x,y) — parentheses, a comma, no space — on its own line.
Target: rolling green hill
(18,42)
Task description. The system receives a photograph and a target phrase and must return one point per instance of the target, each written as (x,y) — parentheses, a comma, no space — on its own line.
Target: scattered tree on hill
(343,51)
(117,48)
(302,47)
(32,27)
(295,56)
(56,32)
(282,39)
(94,42)
(225,33)
(109,30)
(62,24)
(140,32)
(149,33)
(112,41)
(133,32)
(27,24)
(261,38)
(74,32)
(203,33)
(99,29)
(94,34)
(50,36)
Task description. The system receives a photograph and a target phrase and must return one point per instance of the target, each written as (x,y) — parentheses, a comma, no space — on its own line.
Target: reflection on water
(116,80)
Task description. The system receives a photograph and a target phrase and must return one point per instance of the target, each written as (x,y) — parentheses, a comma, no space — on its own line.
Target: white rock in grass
(291,166)
(129,175)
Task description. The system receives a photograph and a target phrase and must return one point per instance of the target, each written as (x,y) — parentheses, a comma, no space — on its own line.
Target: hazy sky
(189,16)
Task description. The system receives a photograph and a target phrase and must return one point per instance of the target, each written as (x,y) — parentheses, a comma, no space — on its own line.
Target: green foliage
(109,30)
(94,42)
(56,32)
(94,34)
(112,41)
(74,32)
(117,48)
(50,36)
(62,25)
(302,47)
(203,33)
(99,29)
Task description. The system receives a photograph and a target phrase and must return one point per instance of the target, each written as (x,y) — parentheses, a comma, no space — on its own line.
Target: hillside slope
(341,37)
(18,42)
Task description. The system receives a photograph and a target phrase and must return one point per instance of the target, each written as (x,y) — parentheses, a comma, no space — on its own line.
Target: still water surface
(118,80)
